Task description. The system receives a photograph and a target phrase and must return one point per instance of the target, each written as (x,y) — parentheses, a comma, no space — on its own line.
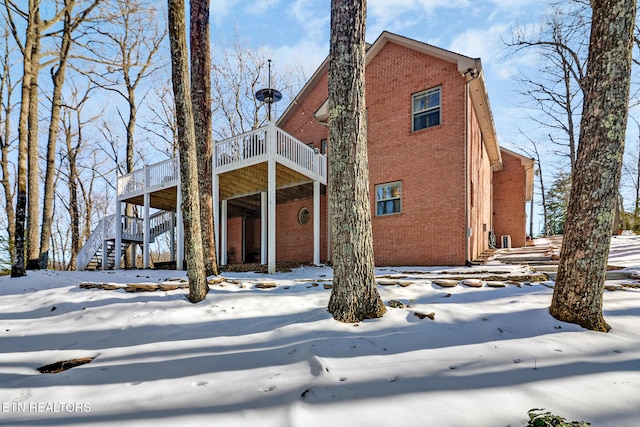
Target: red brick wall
(294,241)
(479,189)
(302,124)
(234,238)
(509,215)
(430,163)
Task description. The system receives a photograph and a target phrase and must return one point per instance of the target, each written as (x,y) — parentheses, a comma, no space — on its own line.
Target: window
(388,198)
(323,148)
(426,109)
(304,216)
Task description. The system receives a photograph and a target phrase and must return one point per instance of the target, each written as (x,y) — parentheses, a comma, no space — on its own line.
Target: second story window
(425,109)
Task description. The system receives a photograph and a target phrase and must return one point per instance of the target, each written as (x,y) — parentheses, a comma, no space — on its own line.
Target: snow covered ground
(275,357)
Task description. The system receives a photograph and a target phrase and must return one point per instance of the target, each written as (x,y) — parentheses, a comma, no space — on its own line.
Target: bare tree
(128,58)
(72,125)
(162,120)
(577,296)
(6,88)
(27,177)
(238,72)
(198,286)
(354,296)
(70,23)
(534,152)
(201,99)
(555,89)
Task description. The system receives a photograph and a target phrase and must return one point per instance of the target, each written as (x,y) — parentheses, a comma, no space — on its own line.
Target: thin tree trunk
(18,266)
(33,172)
(579,287)
(6,87)
(354,296)
(130,257)
(201,97)
(198,286)
(58,78)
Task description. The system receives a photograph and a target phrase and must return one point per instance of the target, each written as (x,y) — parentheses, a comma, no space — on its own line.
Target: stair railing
(93,243)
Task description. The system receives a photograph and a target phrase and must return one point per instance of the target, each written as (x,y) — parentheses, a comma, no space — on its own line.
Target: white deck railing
(250,148)
(106,230)
(152,177)
(242,150)
(267,142)
(132,230)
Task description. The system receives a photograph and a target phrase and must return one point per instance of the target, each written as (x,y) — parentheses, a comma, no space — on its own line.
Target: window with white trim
(389,198)
(425,109)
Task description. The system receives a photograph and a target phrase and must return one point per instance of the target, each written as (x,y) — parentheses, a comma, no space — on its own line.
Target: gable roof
(528,165)
(470,68)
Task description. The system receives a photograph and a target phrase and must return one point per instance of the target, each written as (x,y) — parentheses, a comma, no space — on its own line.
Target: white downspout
(474,73)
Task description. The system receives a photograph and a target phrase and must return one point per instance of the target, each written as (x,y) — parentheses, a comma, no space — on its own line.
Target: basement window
(389,198)
(425,109)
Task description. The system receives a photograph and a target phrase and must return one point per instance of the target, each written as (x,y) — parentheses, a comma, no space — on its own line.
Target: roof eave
(480,101)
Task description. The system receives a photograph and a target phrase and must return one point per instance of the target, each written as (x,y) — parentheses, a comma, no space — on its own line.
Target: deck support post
(271,186)
(316,222)
(263,227)
(146,232)
(215,201)
(223,232)
(104,244)
(172,239)
(118,243)
(180,231)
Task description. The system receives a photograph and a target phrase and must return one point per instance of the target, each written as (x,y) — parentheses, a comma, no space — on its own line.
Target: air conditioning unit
(506,242)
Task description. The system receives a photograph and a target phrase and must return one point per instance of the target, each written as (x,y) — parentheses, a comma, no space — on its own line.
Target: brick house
(440,184)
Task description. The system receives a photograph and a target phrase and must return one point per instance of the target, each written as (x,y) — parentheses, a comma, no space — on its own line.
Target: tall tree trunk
(58,78)
(201,97)
(579,287)
(198,286)
(130,256)
(33,173)
(354,296)
(6,86)
(18,266)
(74,211)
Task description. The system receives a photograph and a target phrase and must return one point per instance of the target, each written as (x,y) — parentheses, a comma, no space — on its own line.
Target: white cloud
(396,15)
(307,55)
(482,43)
(260,7)
(221,9)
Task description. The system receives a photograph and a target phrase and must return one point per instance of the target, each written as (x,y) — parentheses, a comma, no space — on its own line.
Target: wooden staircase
(96,261)
(90,256)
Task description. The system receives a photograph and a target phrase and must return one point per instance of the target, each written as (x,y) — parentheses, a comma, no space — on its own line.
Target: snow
(275,357)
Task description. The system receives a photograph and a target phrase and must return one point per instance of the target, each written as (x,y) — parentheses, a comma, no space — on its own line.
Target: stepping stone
(395,304)
(496,284)
(473,283)
(431,316)
(386,282)
(445,283)
(265,285)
